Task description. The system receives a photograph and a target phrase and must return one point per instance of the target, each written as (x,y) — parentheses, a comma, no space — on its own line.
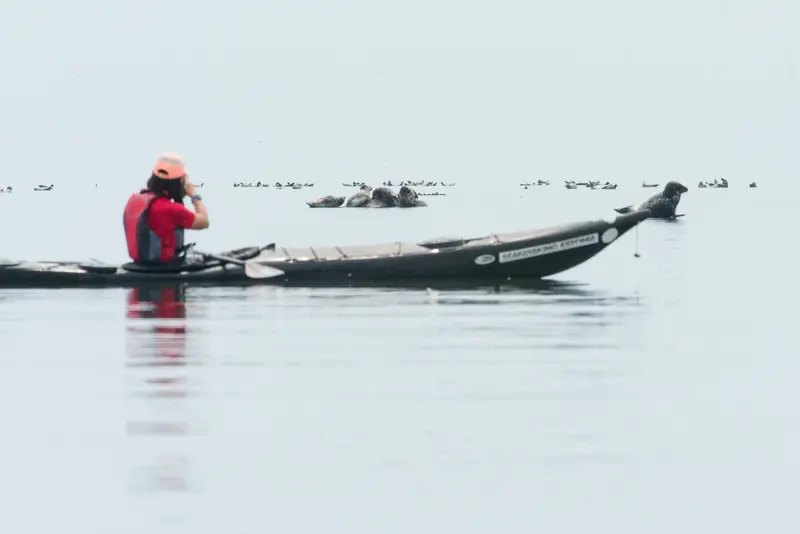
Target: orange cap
(169,167)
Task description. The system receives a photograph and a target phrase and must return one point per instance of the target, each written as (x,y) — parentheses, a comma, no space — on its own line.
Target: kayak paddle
(251,269)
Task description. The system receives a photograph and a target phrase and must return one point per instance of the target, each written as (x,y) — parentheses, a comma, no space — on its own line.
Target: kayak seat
(167,268)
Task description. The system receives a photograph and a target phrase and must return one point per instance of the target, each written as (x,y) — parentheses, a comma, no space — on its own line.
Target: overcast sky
(92,91)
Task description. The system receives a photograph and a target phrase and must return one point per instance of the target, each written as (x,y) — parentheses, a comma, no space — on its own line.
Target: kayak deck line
(366,252)
(290,254)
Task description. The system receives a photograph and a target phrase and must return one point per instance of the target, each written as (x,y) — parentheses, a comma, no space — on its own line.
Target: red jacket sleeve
(184,218)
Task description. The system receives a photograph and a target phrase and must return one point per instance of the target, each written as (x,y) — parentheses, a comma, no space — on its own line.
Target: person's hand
(190,189)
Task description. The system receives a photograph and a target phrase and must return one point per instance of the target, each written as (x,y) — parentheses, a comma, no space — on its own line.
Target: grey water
(653,394)
(639,395)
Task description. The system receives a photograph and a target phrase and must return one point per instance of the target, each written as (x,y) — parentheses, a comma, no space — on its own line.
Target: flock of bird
(660,205)
(590,185)
(299,185)
(571,184)
(10,189)
(406,183)
(276,185)
(50,187)
(722,183)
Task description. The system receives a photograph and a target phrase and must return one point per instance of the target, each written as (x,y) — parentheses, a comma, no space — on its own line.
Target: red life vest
(144,246)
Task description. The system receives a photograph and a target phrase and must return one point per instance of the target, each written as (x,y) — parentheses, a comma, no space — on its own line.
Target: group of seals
(661,205)
(367,197)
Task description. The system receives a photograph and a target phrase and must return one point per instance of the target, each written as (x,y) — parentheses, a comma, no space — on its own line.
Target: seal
(382,197)
(329,201)
(408,198)
(360,199)
(661,205)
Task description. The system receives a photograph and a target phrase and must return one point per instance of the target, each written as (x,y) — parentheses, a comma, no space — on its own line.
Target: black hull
(490,260)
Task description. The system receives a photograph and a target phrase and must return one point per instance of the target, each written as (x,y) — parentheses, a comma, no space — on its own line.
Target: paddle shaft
(224,259)
(251,269)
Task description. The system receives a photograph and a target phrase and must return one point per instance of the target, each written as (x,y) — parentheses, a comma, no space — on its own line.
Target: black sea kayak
(531,254)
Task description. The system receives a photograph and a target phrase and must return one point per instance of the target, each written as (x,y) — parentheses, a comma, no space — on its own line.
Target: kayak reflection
(158,388)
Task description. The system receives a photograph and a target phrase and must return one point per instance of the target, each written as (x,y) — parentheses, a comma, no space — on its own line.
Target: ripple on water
(468,379)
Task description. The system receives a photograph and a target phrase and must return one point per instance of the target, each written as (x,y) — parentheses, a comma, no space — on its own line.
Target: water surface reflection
(158,388)
(337,396)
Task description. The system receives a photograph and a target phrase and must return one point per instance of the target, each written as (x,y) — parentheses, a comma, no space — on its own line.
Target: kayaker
(155,218)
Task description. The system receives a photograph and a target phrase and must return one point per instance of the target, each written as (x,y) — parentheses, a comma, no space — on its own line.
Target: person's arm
(200,221)
(200,215)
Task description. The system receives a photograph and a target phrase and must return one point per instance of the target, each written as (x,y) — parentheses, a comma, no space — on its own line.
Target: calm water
(640,395)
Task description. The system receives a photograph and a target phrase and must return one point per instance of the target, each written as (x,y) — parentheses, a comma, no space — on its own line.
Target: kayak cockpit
(195,262)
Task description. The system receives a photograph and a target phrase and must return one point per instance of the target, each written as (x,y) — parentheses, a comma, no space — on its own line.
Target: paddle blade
(256,270)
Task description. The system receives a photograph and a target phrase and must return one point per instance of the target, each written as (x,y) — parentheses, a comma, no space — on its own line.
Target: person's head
(168,177)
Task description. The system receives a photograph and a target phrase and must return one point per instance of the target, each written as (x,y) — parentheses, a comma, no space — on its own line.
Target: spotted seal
(661,205)
(329,201)
(408,198)
(382,197)
(360,199)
